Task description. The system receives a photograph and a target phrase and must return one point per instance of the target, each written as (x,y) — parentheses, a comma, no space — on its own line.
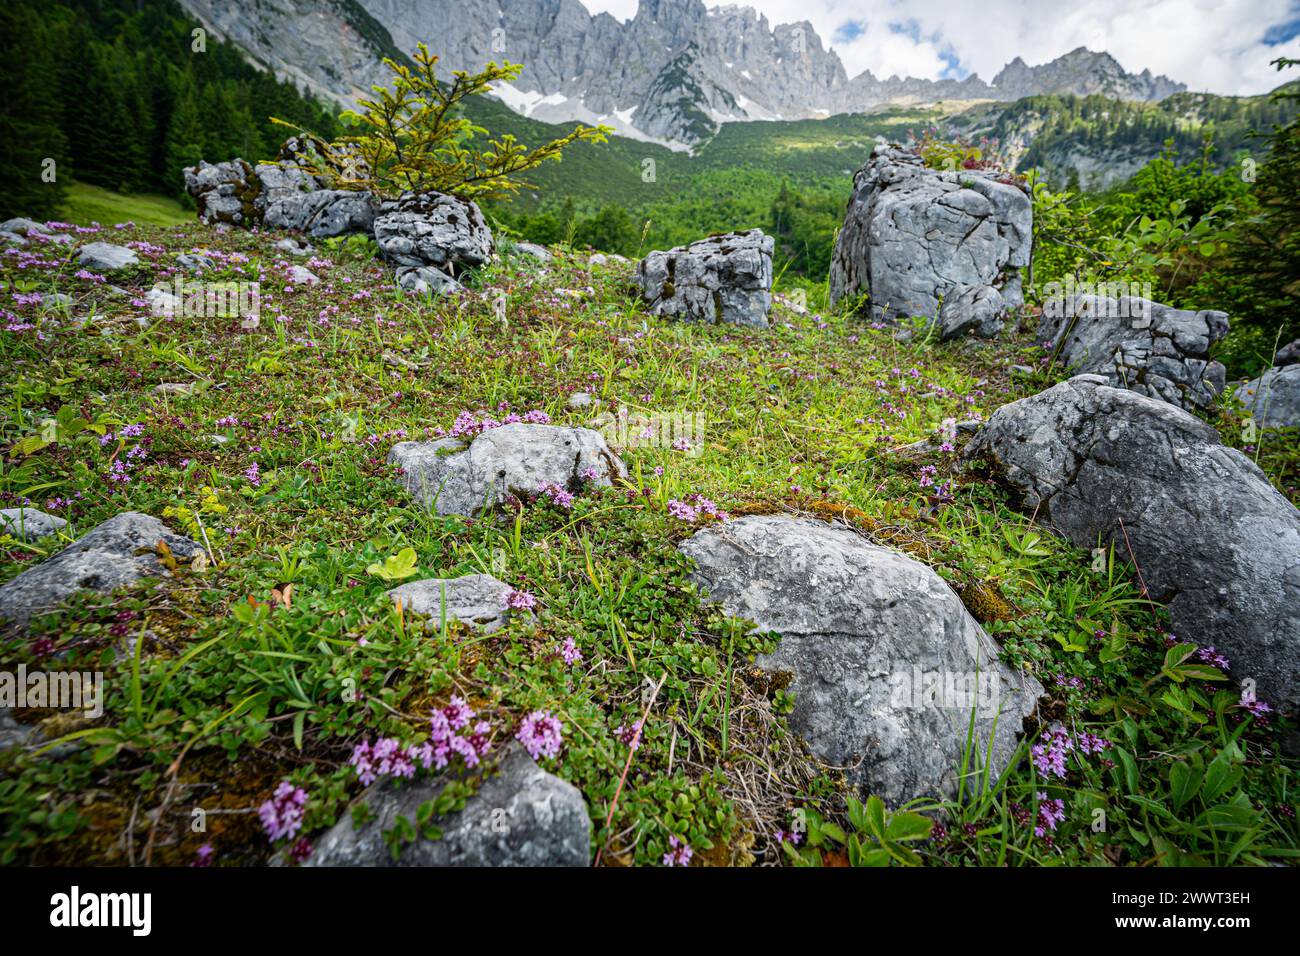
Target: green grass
(271,658)
(86,204)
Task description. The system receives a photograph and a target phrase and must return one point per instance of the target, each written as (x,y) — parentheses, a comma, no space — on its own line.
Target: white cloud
(1214,45)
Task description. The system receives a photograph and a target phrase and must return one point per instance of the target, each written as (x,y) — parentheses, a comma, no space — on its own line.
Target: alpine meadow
(590,433)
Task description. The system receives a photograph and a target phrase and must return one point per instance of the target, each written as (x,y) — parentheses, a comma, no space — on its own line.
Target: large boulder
(431,229)
(478,600)
(725,278)
(1274,397)
(1211,537)
(917,240)
(520,816)
(283,194)
(887,665)
(454,477)
(117,552)
(1287,355)
(1135,343)
(322,213)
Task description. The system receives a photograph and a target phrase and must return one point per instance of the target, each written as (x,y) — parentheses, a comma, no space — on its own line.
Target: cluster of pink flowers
(1209,655)
(253,474)
(520,601)
(695,508)
(452,730)
(558,496)
(282,814)
(119,472)
(1050,753)
(467,424)
(1050,813)
(396,434)
(792,837)
(1251,705)
(386,757)
(679,854)
(541,734)
(570,652)
(630,737)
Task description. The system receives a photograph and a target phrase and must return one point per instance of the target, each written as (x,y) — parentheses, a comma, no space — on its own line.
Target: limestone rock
(478,600)
(724,279)
(433,229)
(520,815)
(117,552)
(28,524)
(1150,348)
(1213,539)
(1274,397)
(106,257)
(887,664)
(454,477)
(915,237)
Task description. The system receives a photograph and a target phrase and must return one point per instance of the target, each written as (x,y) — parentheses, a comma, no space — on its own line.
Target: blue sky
(1223,46)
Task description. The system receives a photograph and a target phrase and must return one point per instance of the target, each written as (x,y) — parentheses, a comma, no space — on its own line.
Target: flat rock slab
(478,600)
(1138,344)
(725,278)
(117,552)
(106,257)
(887,664)
(1213,539)
(455,477)
(1274,398)
(520,816)
(916,238)
(28,524)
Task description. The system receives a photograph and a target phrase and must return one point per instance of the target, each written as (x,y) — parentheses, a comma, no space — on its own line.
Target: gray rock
(597,259)
(724,278)
(12,238)
(106,257)
(278,195)
(224,192)
(119,551)
(521,459)
(578,401)
(1274,397)
(21,227)
(195,262)
(433,229)
(977,310)
(532,250)
(324,213)
(28,524)
(163,303)
(478,600)
(422,280)
(294,246)
(914,237)
(520,816)
(1150,348)
(1213,539)
(174,389)
(1288,354)
(300,275)
(867,634)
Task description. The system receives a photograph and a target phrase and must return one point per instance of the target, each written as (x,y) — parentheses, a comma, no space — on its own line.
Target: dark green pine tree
(30,117)
(183,143)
